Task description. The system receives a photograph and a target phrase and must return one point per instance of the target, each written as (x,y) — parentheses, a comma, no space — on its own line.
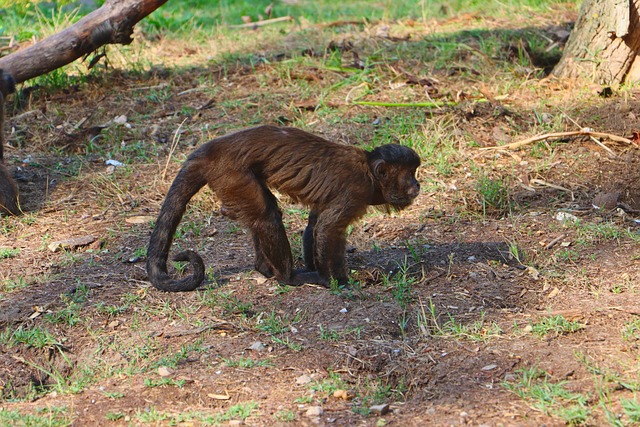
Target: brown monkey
(8,189)
(337,182)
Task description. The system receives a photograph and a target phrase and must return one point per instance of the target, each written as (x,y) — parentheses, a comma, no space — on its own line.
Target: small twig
(263,22)
(160,86)
(537,138)
(433,104)
(633,311)
(196,331)
(604,147)
(555,187)
(174,144)
(342,23)
(193,89)
(554,242)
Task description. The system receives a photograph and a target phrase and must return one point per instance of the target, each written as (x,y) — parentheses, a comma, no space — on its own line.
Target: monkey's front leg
(330,244)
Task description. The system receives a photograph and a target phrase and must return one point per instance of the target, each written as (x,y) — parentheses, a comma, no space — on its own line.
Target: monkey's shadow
(433,256)
(487,273)
(36,183)
(428,259)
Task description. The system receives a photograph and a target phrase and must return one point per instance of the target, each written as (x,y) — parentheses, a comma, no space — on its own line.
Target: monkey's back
(308,168)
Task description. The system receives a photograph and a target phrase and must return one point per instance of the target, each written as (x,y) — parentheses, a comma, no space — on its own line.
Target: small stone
(564,216)
(139,219)
(342,394)
(314,411)
(113,163)
(164,371)
(510,377)
(606,201)
(303,379)
(379,409)
(257,346)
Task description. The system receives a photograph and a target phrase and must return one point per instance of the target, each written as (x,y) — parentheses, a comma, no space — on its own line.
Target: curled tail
(186,184)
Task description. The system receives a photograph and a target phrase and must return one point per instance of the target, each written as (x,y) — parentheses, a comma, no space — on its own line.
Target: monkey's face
(398,184)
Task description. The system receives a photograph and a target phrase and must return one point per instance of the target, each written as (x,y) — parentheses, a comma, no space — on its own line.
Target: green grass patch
(551,398)
(479,330)
(557,325)
(6,253)
(246,362)
(163,382)
(44,417)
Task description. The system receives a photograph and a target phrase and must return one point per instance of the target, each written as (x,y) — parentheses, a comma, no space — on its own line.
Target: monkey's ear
(380,169)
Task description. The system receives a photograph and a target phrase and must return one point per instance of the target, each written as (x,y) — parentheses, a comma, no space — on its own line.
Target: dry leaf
(219,396)
(141,219)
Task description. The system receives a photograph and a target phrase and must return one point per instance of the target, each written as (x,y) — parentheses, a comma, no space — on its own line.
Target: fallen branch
(112,23)
(194,331)
(537,138)
(263,22)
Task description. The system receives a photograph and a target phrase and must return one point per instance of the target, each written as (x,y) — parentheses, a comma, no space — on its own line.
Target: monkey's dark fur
(8,190)
(337,182)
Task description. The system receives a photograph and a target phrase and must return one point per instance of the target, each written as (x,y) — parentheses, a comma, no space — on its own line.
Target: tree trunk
(604,44)
(110,24)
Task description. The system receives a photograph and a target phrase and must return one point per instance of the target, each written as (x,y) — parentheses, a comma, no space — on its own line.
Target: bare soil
(453,254)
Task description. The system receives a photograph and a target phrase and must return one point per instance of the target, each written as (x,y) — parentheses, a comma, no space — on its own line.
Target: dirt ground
(497,272)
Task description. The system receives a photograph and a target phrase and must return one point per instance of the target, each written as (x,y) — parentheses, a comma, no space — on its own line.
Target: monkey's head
(7,83)
(394,169)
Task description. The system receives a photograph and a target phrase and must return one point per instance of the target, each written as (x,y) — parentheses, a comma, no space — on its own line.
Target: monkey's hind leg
(257,208)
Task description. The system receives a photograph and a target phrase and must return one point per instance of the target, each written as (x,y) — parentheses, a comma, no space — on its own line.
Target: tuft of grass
(631,408)
(6,253)
(294,346)
(328,334)
(239,411)
(494,195)
(552,398)
(276,324)
(32,337)
(163,382)
(479,330)
(185,352)
(246,362)
(375,392)
(115,416)
(328,385)
(555,325)
(51,416)
(631,330)
(71,313)
(401,284)
(17,283)
(285,416)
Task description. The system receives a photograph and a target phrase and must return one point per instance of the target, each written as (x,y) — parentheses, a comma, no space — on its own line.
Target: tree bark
(110,24)
(604,44)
